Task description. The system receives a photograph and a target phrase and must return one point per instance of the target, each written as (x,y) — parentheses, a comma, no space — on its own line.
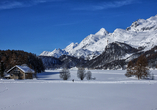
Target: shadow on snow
(47,76)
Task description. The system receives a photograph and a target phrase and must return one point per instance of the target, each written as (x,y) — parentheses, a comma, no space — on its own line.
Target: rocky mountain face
(112,50)
(114,55)
(70,61)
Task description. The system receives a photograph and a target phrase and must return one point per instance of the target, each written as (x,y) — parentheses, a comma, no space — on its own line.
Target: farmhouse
(21,72)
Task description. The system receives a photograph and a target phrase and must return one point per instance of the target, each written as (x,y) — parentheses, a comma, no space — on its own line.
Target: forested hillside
(64,61)
(151,56)
(11,58)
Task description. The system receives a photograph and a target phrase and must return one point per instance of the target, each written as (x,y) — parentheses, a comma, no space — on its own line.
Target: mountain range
(122,44)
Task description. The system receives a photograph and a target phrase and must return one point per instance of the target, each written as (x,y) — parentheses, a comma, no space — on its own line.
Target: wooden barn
(21,72)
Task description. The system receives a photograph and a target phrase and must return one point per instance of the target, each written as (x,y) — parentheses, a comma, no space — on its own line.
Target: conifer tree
(2,69)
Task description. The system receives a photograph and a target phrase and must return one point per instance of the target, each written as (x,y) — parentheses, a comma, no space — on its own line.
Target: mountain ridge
(141,33)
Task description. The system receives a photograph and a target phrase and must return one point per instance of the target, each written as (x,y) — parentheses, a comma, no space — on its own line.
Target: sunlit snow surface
(110,91)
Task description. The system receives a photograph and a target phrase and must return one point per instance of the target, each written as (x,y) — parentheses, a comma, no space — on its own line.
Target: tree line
(81,74)
(11,58)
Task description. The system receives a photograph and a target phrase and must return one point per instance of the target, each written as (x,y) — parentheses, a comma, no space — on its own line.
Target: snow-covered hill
(141,33)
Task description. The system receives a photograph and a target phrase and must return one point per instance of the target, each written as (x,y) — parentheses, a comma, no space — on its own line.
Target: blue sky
(43,25)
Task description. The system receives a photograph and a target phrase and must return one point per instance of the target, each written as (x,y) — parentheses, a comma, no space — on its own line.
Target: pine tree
(2,69)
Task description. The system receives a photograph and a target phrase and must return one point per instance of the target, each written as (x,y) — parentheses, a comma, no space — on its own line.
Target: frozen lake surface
(110,91)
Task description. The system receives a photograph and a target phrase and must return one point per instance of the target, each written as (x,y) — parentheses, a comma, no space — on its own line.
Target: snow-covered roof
(7,75)
(23,68)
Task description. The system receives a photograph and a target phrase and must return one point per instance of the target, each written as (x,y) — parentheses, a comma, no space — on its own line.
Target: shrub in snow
(130,70)
(88,75)
(64,74)
(81,73)
(152,77)
(128,75)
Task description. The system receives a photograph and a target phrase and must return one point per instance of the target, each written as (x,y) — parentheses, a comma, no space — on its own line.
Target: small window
(16,71)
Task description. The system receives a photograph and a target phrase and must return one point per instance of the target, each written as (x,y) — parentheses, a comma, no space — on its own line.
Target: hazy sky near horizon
(43,25)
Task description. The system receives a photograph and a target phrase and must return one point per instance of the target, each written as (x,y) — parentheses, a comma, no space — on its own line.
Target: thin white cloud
(97,5)
(9,4)
(106,5)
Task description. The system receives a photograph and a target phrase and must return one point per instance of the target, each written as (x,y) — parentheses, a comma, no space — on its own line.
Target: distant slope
(63,61)
(50,62)
(151,56)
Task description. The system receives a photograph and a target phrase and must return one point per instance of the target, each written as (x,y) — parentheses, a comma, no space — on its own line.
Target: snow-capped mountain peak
(57,53)
(149,24)
(45,53)
(71,47)
(102,32)
(90,40)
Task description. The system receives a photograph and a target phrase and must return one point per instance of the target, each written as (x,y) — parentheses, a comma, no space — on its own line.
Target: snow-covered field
(110,91)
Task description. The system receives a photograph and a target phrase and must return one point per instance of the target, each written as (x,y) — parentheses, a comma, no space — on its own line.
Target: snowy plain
(111,90)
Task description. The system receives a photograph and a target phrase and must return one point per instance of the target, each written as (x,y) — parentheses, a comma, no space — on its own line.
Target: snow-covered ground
(110,91)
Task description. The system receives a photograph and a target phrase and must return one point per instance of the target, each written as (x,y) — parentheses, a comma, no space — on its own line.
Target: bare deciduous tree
(81,73)
(64,74)
(88,75)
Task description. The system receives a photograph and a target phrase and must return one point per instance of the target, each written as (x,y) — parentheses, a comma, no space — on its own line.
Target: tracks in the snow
(23,103)
(4,88)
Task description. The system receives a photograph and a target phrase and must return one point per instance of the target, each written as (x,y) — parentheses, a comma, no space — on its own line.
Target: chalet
(21,72)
